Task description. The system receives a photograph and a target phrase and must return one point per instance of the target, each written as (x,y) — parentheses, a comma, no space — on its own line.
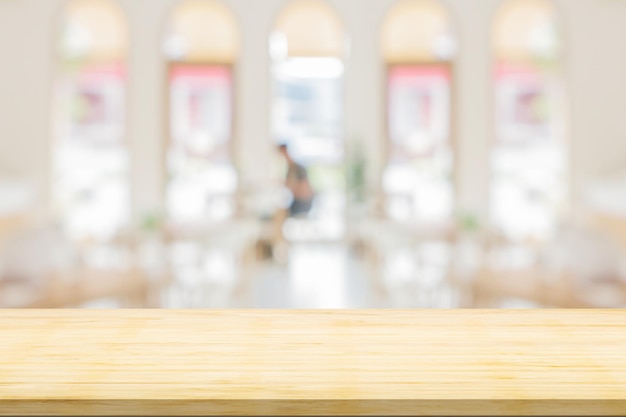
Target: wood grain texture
(266,362)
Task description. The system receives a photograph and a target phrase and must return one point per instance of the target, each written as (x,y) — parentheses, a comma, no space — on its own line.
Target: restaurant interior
(453,153)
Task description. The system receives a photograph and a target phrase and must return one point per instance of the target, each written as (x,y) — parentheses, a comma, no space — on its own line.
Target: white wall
(595,68)
(25,86)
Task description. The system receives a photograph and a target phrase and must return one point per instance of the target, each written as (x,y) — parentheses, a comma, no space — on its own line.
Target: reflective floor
(313,276)
(334,276)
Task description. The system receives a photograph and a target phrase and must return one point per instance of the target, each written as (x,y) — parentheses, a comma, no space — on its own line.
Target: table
(612,225)
(544,288)
(299,362)
(84,285)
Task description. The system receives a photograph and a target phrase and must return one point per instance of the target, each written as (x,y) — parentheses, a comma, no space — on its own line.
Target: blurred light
(445,47)
(221,209)
(202,142)
(218,264)
(419,142)
(310,68)
(401,266)
(311,148)
(318,277)
(543,41)
(175,47)
(77,41)
(325,228)
(279,47)
(399,179)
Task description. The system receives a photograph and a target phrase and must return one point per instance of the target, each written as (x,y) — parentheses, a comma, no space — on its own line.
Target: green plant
(151,223)
(356,173)
(468,222)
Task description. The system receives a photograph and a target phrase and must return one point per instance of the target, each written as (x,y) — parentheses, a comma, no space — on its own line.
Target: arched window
(529,156)
(201,47)
(418,47)
(90,158)
(308,48)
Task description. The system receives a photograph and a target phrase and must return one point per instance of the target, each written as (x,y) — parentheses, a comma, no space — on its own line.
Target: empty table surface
(296,362)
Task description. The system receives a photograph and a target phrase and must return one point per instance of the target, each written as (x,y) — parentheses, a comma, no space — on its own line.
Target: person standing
(297,181)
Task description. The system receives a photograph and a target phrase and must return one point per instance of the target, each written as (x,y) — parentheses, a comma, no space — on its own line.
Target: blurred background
(312,153)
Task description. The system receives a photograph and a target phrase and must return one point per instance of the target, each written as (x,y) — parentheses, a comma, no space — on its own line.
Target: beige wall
(595,69)
(596,65)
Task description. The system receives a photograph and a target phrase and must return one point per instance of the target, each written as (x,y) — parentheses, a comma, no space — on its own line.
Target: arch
(417,31)
(526,31)
(202,31)
(308,46)
(89,121)
(530,121)
(201,47)
(418,47)
(93,30)
(311,28)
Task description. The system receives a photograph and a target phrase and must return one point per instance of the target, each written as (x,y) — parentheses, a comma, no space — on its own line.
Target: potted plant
(356,175)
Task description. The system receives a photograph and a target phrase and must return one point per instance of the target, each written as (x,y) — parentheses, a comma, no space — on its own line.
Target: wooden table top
(298,362)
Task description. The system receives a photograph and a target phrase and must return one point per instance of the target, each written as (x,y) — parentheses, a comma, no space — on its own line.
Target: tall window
(529,157)
(308,47)
(201,48)
(418,47)
(90,159)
